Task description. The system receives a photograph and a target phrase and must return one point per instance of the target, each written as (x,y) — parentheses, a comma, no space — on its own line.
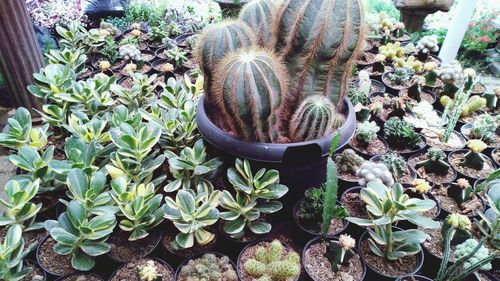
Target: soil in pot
(52,262)
(456,157)
(58,142)
(30,237)
(354,204)
(369,69)
(147,56)
(129,270)
(470,208)
(439,84)
(81,277)
(496,156)
(144,69)
(249,253)
(456,141)
(224,266)
(414,278)
(431,177)
(432,213)
(403,266)
(375,147)
(119,64)
(123,250)
(424,96)
(126,82)
(87,72)
(319,268)
(48,199)
(336,225)
(478,89)
(169,237)
(366,58)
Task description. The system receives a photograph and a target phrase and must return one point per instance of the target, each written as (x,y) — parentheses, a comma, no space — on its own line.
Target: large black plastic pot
(317,240)
(371,274)
(301,165)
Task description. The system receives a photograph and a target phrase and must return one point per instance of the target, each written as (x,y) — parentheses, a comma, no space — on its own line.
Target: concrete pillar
(20,55)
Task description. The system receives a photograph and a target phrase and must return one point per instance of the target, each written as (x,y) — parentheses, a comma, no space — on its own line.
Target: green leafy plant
(12,253)
(435,162)
(273,263)
(20,210)
(191,214)
(489,224)
(109,50)
(51,82)
(81,236)
(135,157)
(140,95)
(74,58)
(20,132)
(401,134)
(253,196)
(79,125)
(121,114)
(177,55)
(139,205)
(192,168)
(72,36)
(91,96)
(36,167)
(386,206)
(79,155)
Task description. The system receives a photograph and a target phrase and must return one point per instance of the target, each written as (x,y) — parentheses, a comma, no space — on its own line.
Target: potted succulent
(267,146)
(391,51)
(366,142)
(378,67)
(208,266)
(472,163)
(458,197)
(144,269)
(348,163)
(431,76)
(132,55)
(425,46)
(385,248)
(489,224)
(484,128)
(402,137)
(156,36)
(421,189)
(12,254)
(398,167)
(268,259)
(433,166)
(397,80)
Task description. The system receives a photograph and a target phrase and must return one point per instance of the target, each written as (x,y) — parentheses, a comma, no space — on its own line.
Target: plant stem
(388,240)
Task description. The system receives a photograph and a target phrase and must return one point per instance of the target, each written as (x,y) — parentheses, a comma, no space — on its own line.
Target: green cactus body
(313,119)
(273,263)
(258,14)
(319,41)
(250,92)
(219,40)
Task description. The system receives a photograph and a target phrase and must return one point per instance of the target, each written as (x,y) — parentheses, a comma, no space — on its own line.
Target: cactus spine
(319,41)
(313,119)
(220,39)
(250,91)
(258,15)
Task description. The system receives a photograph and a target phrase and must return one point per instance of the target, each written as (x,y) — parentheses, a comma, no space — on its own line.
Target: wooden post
(20,54)
(458,27)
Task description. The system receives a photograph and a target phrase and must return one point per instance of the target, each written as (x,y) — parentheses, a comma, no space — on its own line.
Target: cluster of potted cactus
(272,162)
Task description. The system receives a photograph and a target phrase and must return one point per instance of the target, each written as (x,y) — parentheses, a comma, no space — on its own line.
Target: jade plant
(401,134)
(20,209)
(192,168)
(121,114)
(139,206)
(456,229)
(461,191)
(148,272)
(12,254)
(88,129)
(79,154)
(191,214)
(81,236)
(91,96)
(371,171)
(396,164)
(484,128)
(470,256)
(137,96)
(387,205)
(51,82)
(340,252)
(273,263)
(366,132)
(348,161)
(254,194)
(489,224)
(135,156)
(306,58)
(20,132)
(208,267)
(74,58)
(435,162)
(474,159)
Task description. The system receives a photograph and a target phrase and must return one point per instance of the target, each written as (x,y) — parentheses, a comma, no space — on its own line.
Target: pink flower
(485,38)
(472,24)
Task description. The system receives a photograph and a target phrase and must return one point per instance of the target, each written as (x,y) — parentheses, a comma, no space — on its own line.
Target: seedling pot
(301,165)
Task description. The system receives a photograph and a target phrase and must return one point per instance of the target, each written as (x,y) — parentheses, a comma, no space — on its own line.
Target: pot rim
(268,152)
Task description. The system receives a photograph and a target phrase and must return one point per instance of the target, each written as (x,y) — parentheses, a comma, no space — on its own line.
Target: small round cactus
(421,186)
(130,52)
(135,26)
(313,119)
(474,158)
(136,33)
(208,268)
(129,68)
(396,164)
(465,249)
(392,50)
(371,171)
(348,161)
(451,72)
(149,272)
(367,132)
(104,65)
(272,263)
(427,45)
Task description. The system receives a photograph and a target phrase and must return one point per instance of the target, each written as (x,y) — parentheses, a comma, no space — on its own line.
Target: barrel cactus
(313,119)
(320,41)
(258,15)
(220,39)
(250,91)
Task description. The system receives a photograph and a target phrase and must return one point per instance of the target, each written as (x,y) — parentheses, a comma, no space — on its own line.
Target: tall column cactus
(258,14)
(319,41)
(250,90)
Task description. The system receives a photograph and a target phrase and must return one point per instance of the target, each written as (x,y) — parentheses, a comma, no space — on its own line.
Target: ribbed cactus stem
(320,41)
(313,119)
(250,93)
(258,14)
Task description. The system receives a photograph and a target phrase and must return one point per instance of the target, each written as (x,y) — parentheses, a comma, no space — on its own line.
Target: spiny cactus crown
(435,154)
(428,44)
(371,171)
(149,272)
(476,146)
(208,267)
(346,242)
(401,75)
(395,163)
(411,62)
(451,72)
(348,161)
(459,221)
(463,250)
(421,186)
(392,50)
(367,131)
(273,263)
(430,66)
(130,52)
(463,183)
